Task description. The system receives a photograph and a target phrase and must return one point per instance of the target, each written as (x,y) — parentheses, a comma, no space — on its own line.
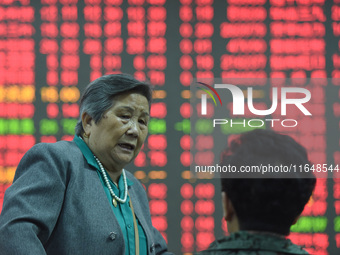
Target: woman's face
(118,137)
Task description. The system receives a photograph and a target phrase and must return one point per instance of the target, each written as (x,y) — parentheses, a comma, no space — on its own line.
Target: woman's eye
(125,116)
(143,122)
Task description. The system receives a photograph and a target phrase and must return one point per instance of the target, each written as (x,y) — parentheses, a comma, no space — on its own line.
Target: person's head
(113,121)
(267,205)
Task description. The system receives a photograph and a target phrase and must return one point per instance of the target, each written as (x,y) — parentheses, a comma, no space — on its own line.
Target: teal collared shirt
(122,212)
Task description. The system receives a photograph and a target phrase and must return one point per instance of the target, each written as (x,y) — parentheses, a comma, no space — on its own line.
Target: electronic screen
(50,50)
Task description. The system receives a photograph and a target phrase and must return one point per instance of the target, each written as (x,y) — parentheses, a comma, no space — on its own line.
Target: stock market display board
(51,49)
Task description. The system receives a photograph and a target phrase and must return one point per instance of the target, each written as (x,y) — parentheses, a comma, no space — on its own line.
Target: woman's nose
(133,128)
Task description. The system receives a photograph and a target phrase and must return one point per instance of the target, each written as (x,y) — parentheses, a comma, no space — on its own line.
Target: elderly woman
(75,197)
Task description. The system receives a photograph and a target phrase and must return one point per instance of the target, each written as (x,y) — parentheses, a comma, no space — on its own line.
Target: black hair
(99,95)
(267,204)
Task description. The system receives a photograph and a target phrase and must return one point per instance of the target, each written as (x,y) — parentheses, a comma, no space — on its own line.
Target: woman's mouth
(127,146)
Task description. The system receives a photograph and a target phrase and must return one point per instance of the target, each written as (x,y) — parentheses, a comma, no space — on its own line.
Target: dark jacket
(57,205)
(245,243)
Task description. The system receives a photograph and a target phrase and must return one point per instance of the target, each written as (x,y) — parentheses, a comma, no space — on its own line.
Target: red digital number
(185,78)
(70,62)
(204,30)
(70,1)
(186,62)
(157,13)
(204,2)
(186,158)
(157,45)
(205,223)
(157,142)
(205,190)
(69,12)
(186,30)
(114,45)
(93,30)
(187,240)
(52,78)
(135,13)
(68,29)
(158,207)
(156,2)
(185,13)
(69,46)
(156,62)
(205,13)
(49,29)
(136,28)
(186,142)
(70,110)
(205,207)
(112,29)
(92,13)
(135,45)
(92,46)
(187,207)
(48,46)
(139,62)
(185,110)
(247,46)
(48,139)
(113,2)
(12,158)
(204,142)
(136,2)
(187,191)
(157,190)
(202,46)
(156,77)
(140,160)
(158,110)
(52,110)
(187,223)
(159,222)
(112,62)
(228,30)
(204,158)
(68,78)
(185,46)
(157,158)
(205,62)
(156,28)
(203,239)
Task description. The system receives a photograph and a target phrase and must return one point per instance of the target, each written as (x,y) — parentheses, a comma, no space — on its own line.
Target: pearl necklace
(115,198)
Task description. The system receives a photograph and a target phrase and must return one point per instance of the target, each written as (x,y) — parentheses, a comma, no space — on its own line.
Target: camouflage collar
(243,240)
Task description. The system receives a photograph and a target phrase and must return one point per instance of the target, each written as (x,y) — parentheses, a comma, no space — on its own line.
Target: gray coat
(57,205)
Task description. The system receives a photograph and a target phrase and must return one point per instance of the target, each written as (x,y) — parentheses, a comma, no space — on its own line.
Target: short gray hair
(98,96)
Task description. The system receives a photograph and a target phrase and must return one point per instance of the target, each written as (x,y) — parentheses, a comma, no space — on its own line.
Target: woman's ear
(228,208)
(86,120)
